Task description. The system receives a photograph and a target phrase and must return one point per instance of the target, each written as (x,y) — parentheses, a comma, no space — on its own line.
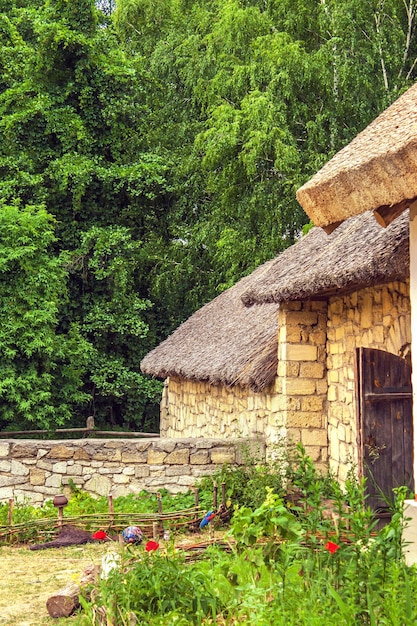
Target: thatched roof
(223,343)
(358,254)
(377,169)
(230,343)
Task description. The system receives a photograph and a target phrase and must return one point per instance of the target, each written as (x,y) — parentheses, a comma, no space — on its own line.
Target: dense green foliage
(157,147)
(71,142)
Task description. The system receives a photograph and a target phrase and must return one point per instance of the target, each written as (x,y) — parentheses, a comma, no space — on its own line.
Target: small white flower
(108,563)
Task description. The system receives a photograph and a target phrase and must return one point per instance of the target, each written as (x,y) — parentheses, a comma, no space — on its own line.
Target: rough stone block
(140,456)
(19,469)
(300,419)
(141,471)
(314,437)
(4,450)
(6,493)
(36,477)
(332,393)
(300,387)
(289,369)
(312,403)
(123,490)
(23,451)
(318,338)
(336,306)
(199,470)
(45,465)
(288,334)
(80,481)
(56,480)
(366,312)
(120,479)
(300,352)
(187,481)
(206,443)
(156,470)
(59,468)
(164,445)
(178,457)
(35,498)
(109,471)
(340,334)
(81,455)
(60,452)
(6,481)
(156,458)
(386,302)
(177,470)
(199,458)
(311,370)
(302,318)
(334,348)
(314,452)
(219,456)
(100,485)
(75,470)
(333,376)
(321,387)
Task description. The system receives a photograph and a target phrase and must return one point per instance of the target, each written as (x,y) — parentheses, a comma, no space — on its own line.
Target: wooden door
(385,424)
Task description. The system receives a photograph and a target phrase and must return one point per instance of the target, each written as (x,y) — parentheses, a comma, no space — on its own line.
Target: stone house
(377,172)
(278,355)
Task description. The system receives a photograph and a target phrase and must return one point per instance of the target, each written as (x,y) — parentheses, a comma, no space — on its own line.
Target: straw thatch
(228,342)
(358,254)
(377,169)
(223,343)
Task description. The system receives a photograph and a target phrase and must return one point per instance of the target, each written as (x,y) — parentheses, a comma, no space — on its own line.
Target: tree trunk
(64,602)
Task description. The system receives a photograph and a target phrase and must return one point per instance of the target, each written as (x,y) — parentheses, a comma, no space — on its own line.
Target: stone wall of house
(377,317)
(302,382)
(293,408)
(38,470)
(197,409)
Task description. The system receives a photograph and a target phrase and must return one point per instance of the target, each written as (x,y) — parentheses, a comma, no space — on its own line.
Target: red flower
(100,535)
(331,547)
(151,546)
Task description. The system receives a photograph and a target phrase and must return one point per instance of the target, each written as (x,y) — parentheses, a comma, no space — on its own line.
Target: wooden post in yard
(10,517)
(215,496)
(111,509)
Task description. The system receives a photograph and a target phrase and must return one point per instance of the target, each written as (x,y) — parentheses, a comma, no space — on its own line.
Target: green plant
(271,521)
(156,584)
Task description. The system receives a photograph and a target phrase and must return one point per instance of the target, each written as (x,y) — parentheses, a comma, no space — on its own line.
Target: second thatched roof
(360,253)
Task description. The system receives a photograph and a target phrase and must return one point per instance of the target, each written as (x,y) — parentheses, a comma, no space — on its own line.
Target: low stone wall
(38,470)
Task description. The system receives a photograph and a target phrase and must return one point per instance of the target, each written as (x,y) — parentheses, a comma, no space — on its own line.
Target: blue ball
(132,534)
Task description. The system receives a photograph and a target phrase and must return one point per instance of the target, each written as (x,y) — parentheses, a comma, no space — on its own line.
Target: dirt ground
(28,579)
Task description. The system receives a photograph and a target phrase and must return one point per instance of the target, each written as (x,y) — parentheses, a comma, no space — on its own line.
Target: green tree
(72,137)
(251,98)
(41,369)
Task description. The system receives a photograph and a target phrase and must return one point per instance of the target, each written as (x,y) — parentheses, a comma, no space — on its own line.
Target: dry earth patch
(28,578)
